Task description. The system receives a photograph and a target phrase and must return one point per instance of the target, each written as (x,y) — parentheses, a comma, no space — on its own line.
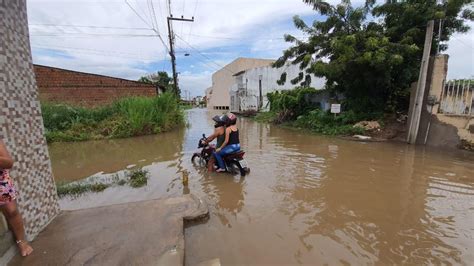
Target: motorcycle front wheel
(198,160)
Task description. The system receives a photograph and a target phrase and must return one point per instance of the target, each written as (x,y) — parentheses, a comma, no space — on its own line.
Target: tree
(161,79)
(370,53)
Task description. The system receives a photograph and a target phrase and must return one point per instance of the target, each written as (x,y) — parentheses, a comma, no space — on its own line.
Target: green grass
(127,117)
(266,117)
(138,178)
(78,189)
(318,121)
(186,106)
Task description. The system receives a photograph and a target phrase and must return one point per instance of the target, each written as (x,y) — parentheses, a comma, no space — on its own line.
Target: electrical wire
(136,13)
(156,29)
(233,38)
(462,42)
(88,26)
(154,16)
(214,68)
(192,24)
(83,34)
(90,52)
(143,11)
(95,50)
(203,55)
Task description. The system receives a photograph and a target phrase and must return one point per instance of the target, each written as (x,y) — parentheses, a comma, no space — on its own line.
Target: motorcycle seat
(237,154)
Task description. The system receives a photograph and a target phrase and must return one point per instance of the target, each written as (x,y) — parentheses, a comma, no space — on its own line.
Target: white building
(249,91)
(218,94)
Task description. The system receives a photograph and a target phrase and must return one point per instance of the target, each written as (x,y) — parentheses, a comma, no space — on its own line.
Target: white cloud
(461,55)
(218,28)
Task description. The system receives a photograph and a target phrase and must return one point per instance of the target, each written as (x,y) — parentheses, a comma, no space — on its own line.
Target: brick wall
(61,85)
(21,123)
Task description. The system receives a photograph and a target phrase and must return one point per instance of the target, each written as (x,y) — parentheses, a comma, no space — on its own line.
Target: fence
(457,98)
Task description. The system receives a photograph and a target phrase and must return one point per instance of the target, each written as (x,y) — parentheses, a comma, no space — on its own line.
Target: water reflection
(73,161)
(308,199)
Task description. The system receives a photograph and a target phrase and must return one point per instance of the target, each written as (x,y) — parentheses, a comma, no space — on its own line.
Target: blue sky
(107,36)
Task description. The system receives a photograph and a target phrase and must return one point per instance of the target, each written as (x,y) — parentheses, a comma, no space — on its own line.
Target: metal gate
(457,98)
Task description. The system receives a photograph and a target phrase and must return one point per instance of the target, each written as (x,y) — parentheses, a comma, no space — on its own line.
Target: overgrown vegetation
(127,117)
(138,178)
(135,178)
(78,189)
(160,78)
(295,109)
(325,123)
(371,53)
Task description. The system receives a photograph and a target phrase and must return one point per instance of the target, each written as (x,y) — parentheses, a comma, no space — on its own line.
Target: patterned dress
(7,190)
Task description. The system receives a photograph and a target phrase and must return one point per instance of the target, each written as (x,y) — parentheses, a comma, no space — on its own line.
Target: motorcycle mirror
(203,135)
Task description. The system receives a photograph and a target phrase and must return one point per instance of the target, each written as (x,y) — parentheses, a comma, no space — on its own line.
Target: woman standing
(8,202)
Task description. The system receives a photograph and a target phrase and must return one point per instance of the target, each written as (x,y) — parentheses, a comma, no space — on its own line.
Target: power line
(89,26)
(462,42)
(204,62)
(155,30)
(154,16)
(82,34)
(136,13)
(233,38)
(194,14)
(156,23)
(182,13)
(143,11)
(95,50)
(205,56)
(90,52)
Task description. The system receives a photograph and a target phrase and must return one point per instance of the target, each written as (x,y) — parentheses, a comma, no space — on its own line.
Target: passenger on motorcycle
(231,142)
(219,134)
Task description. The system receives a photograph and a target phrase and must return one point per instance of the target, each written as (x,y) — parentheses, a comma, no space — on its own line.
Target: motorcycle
(234,162)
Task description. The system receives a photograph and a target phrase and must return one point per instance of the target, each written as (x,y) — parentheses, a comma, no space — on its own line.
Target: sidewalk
(139,233)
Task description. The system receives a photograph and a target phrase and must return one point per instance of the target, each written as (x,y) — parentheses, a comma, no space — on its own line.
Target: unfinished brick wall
(66,86)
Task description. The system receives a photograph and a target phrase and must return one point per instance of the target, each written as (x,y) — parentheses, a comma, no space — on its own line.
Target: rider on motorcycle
(231,142)
(219,133)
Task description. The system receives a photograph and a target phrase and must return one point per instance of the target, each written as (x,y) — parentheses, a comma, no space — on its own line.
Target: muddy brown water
(308,199)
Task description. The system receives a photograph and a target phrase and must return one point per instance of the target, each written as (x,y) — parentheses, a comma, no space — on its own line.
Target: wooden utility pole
(420,88)
(173,57)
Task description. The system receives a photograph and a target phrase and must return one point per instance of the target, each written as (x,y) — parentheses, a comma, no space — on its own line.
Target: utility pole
(420,88)
(173,57)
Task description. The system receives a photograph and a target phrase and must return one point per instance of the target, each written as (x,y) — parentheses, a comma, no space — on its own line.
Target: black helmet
(219,121)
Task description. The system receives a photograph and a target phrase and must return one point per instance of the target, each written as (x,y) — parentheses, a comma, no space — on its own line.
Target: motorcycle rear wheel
(236,168)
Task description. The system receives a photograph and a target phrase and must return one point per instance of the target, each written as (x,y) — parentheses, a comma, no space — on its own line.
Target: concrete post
(417,108)
(21,123)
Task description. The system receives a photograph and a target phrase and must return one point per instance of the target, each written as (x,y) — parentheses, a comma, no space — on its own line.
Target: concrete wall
(218,94)
(21,124)
(67,86)
(437,129)
(250,79)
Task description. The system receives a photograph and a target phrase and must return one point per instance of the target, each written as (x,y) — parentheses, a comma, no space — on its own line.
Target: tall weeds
(127,117)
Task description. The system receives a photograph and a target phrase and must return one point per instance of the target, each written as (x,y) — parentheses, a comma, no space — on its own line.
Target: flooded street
(307,200)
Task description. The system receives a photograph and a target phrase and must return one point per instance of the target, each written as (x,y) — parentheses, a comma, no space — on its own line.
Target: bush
(126,117)
(138,178)
(325,123)
(292,103)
